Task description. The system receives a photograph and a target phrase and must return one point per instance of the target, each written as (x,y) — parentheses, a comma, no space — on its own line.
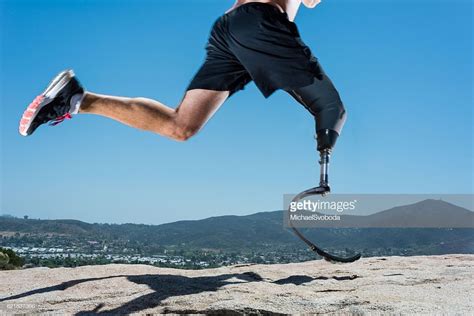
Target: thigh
(198,106)
(270,48)
(221,70)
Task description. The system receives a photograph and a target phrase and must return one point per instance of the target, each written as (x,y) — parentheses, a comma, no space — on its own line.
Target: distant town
(55,251)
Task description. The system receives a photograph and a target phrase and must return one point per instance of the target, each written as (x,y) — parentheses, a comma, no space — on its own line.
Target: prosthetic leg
(322,100)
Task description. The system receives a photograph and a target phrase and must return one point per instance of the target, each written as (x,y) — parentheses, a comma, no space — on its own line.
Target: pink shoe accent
(60,119)
(29,113)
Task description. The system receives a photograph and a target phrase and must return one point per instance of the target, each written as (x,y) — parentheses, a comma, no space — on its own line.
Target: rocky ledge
(407,285)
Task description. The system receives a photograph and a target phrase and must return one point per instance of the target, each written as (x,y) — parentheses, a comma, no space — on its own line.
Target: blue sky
(403,69)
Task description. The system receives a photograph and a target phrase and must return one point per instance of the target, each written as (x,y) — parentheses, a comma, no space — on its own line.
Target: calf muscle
(196,108)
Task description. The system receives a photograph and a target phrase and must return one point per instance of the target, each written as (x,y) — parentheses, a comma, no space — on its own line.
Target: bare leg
(196,108)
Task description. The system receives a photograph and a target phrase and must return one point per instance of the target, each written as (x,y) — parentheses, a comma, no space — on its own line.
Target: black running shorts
(256,41)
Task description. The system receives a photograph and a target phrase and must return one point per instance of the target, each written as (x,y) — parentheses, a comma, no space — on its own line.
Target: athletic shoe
(54,104)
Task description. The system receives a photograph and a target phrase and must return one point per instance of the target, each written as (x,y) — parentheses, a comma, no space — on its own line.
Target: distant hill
(214,232)
(427,213)
(265,230)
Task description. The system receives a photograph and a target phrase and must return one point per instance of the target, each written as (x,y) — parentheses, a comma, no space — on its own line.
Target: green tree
(4,258)
(14,261)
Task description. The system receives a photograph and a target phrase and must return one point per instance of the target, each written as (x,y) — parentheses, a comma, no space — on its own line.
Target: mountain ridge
(427,205)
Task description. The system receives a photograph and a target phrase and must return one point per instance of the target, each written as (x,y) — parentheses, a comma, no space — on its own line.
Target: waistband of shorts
(262,5)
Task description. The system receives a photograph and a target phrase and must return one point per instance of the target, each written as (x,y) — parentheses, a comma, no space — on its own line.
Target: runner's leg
(196,108)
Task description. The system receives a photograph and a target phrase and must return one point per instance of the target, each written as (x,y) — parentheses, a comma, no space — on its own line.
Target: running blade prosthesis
(323,189)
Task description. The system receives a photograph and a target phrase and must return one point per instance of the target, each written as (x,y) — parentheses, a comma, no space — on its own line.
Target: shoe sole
(29,115)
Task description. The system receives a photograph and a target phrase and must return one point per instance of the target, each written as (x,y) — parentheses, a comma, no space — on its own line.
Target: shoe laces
(60,119)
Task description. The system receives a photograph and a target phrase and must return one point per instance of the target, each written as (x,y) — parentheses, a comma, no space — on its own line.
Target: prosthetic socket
(322,100)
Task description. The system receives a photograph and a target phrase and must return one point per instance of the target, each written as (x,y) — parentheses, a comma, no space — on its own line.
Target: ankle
(75,103)
(87,102)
